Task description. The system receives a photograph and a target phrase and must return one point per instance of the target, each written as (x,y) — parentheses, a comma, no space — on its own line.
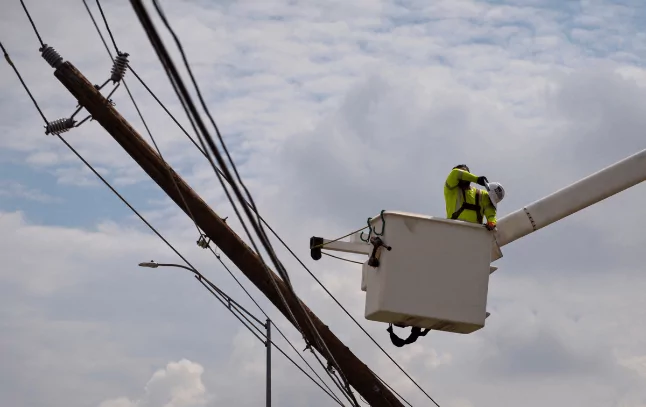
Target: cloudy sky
(332,111)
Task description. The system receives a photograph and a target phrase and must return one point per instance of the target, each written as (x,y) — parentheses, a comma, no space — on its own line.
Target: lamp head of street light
(150,264)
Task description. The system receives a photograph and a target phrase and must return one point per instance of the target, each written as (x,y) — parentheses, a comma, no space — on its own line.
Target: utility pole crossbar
(358,374)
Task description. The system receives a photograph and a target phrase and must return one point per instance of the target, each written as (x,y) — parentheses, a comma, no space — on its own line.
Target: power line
(192,268)
(196,120)
(229,181)
(55,60)
(146,126)
(258,228)
(10,62)
(330,393)
(198,274)
(89,117)
(98,3)
(42,44)
(144,121)
(161,104)
(152,137)
(263,311)
(289,249)
(190,213)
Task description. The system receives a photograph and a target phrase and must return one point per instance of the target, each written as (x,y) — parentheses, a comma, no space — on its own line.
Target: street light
(153,265)
(150,264)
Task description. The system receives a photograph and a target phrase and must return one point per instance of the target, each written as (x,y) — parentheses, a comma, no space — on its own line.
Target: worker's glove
(482,181)
(490,225)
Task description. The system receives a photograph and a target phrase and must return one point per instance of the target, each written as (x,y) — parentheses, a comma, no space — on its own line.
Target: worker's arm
(456,175)
(489,209)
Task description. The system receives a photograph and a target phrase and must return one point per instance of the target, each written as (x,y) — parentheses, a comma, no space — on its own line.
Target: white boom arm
(571,199)
(562,203)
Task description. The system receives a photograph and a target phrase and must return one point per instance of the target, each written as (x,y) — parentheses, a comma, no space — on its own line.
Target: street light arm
(203,280)
(192,270)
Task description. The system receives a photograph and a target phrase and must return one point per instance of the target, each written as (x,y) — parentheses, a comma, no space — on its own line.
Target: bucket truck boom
(571,199)
(418,273)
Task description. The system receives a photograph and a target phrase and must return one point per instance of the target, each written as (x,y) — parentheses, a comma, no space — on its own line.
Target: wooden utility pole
(357,373)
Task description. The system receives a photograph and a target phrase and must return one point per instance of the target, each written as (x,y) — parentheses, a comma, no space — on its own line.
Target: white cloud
(178,385)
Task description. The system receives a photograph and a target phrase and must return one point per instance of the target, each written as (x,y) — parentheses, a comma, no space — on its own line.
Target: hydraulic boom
(573,198)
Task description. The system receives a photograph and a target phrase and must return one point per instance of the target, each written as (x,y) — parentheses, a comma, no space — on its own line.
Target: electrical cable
(267,245)
(10,62)
(259,216)
(289,342)
(199,275)
(196,120)
(393,390)
(136,106)
(42,44)
(107,26)
(289,249)
(263,311)
(140,115)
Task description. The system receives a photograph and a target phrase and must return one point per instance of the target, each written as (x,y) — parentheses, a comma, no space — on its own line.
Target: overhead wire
(261,219)
(329,391)
(107,26)
(147,128)
(141,117)
(214,290)
(161,104)
(33,25)
(393,390)
(201,150)
(257,227)
(263,311)
(195,119)
(198,274)
(289,249)
(10,62)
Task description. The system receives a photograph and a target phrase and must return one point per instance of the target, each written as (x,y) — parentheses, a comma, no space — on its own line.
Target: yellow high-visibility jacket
(454,198)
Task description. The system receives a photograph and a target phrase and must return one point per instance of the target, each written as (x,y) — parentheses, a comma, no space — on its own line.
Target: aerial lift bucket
(423,271)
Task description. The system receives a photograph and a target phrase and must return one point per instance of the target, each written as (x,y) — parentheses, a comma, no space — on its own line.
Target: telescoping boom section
(433,273)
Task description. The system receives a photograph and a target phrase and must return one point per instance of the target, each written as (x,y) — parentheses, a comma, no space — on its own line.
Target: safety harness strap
(414,334)
(469,206)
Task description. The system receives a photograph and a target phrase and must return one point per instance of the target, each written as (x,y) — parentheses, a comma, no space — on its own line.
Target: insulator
(119,67)
(59,126)
(50,55)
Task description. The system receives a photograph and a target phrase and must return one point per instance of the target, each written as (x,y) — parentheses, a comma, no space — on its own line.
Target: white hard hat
(496,192)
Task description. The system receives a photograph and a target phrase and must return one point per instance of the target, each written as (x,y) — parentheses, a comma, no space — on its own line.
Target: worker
(469,204)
